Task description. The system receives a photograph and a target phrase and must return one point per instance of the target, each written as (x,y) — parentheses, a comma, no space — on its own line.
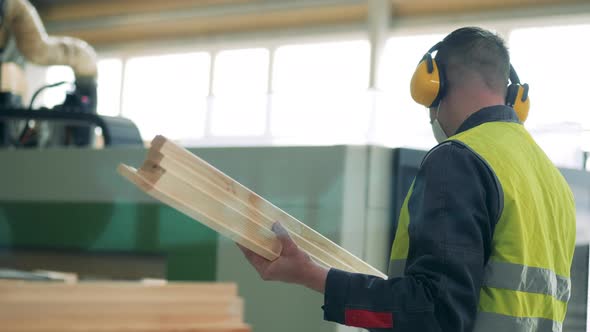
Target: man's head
(476,67)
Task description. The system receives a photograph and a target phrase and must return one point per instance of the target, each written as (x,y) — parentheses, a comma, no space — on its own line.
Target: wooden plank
(157,166)
(231,209)
(121,299)
(127,326)
(11,291)
(67,327)
(225,288)
(125,318)
(122,306)
(230,309)
(199,206)
(239,227)
(238,196)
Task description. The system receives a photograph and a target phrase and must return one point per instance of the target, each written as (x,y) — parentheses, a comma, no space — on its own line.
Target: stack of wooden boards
(120,307)
(187,183)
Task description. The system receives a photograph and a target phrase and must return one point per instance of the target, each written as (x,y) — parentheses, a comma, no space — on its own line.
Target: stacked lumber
(189,184)
(118,307)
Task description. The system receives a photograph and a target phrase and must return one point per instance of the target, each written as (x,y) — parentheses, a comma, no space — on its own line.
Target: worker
(485,237)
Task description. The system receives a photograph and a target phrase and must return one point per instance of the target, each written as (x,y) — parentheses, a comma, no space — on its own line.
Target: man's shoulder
(454,168)
(449,152)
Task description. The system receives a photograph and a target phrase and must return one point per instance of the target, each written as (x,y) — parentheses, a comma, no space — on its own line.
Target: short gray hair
(476,50)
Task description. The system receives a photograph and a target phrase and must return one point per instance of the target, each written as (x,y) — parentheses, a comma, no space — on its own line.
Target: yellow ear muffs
(427,85)
(522,104)
(517,96)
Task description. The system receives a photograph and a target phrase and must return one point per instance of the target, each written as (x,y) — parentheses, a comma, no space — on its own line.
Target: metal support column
(379,18)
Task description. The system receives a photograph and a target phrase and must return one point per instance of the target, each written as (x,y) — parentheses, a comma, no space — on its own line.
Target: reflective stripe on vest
(527,279)
(491,322)
(521,304)
(513,277)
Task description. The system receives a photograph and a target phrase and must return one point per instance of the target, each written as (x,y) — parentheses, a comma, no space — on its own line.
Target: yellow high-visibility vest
(526,283)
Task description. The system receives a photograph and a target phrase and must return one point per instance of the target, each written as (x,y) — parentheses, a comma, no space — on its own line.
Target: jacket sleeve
(453,209)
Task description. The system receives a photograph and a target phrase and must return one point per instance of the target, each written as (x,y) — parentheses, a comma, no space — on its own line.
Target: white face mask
(437,130)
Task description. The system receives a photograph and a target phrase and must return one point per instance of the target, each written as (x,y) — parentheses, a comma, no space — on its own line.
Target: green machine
(69,210)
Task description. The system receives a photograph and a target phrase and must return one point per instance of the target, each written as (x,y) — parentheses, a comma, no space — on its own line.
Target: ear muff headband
(428,86)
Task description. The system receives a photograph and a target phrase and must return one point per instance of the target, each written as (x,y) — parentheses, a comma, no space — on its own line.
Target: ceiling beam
(58,11)
(210,25)
(409,8)
(111,22)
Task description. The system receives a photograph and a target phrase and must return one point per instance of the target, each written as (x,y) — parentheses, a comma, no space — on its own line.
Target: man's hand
(292,266)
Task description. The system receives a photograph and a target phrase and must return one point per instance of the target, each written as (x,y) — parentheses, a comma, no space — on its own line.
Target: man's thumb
(284,237)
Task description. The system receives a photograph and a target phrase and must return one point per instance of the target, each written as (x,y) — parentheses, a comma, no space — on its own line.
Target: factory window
(240,87)
(319,92)
(553,65)
(109,86)
(399,121)
(335,66)
(167,94)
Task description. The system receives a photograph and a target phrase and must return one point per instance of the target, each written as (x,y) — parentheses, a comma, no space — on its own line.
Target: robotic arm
(22,35)
(21,21)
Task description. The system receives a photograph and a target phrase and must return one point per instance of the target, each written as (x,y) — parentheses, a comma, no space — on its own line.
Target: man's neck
(470,102)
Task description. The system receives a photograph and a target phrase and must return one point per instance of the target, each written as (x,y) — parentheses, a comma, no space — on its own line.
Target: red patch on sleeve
(368,319)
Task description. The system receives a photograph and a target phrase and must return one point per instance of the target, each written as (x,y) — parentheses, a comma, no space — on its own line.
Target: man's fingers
(250,255)
(260,263)
(283,235)
(244,249)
